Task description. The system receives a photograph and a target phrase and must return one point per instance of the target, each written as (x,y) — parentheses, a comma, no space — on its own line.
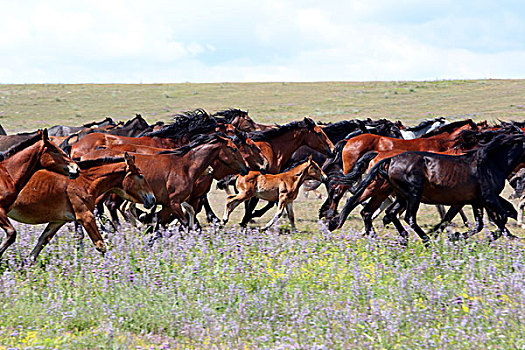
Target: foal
(282,187)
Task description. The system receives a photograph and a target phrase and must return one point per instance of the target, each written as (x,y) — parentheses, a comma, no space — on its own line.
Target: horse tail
(359,168)
(352,202)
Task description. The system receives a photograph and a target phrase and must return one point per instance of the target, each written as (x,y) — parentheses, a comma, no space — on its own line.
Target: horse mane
(451,127)
(467,139)
(137,119)
(425,123)
(198,141)
(331,128)
(228,115)
(190,122)
(91,163)
(20,146)
(108,119)
(294,164)
(500,140)
(267,135)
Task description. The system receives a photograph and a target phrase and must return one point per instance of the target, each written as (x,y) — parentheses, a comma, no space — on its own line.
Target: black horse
(476,178)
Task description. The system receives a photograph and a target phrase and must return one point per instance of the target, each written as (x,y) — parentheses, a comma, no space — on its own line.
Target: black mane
(198,141)
(270,134)
(186,123)
(425,123)
(228,115)
(20,146)
(451,127)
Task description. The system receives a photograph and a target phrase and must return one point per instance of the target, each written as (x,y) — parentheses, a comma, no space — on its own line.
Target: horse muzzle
(244,170)
(148,200)
(73,170)
(325,179)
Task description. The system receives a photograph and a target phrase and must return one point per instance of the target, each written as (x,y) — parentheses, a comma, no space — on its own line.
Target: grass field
(228,288)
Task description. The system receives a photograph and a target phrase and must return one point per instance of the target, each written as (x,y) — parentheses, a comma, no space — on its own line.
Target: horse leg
(48,233)
(445,219)
(210,215)
(499,215)
(391,217)
(277,216)
(9,231)
(191,213)
(232,202)
(464,218)
(291,216)
(87,219)
(369,211)
(410,218)
(385,204)
(260,212)
(249,206)
(441,211)
(521,207)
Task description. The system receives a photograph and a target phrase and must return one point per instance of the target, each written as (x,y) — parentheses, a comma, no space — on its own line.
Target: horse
(437,141)
(248,149)
(240,120)
(474,178)
(283,187)
(517,181)
(279,144)
(172,174)
(52,198)
(64,130)
(18,164)
(422,128)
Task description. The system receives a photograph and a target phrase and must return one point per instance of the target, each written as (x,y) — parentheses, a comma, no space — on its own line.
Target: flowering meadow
(246,289)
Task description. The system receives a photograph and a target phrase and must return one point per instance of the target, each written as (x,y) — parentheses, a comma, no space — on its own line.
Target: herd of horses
(72,174)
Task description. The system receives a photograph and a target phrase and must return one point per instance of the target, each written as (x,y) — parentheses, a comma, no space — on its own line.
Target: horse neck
(200,158)
(285,145)
(104,178)
(23,164)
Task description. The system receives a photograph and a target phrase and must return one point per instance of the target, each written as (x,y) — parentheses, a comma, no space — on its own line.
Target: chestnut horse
(172,174)
(439,140)
(249,150)
(282,187)
(54,199)
(18,164)
(279,144)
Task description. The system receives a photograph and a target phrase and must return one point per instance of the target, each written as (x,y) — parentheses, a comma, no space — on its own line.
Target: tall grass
(227,288)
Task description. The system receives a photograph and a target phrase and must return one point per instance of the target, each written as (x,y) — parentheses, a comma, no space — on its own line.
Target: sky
(161,41)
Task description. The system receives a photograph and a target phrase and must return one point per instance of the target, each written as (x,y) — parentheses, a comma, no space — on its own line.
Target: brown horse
(249,150)
(475,178)
(54,199)
(279,144)
(18,164)
(282,187)
(439,140)
(172,174)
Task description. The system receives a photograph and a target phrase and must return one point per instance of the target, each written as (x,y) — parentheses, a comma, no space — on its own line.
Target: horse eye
(140,176)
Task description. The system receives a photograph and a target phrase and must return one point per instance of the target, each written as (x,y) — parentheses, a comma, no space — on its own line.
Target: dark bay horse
(439,140)
(476,178)
(52,198)
(18,164)
(172,174)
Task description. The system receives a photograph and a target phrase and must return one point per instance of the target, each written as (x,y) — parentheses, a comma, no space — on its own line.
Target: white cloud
(273,40)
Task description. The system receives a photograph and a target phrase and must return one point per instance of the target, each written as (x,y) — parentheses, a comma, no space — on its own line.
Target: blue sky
(58,41)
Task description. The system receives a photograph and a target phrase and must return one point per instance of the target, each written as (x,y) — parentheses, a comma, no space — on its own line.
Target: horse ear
(130,160)
(45,136)
(310,157)
(309,122)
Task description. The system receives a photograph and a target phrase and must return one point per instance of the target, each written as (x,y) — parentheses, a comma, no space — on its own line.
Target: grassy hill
(27,107)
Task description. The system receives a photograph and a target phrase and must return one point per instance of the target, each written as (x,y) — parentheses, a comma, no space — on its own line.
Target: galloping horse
(54,199)
(172,174)
(18,164)
(475,178)
(279,144)
(437,141)
(282,187)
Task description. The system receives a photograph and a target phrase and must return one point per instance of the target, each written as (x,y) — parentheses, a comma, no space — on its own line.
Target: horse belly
(266,190)
(461,192)
(34,215)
